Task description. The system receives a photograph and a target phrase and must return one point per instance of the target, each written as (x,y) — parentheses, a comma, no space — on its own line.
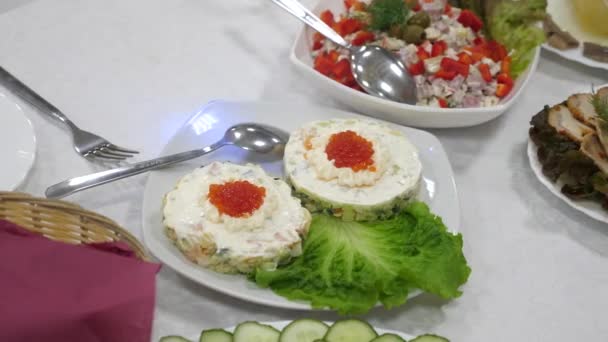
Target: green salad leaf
(351,266)
(514,24)
(387,13)
(600,104)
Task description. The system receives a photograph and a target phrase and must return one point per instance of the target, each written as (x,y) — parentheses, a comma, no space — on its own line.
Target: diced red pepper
(465,58)
(504,79)
(317,41)
(439,48)
(449,64)
(333,55)
(469,19)
(448,9)
(328,18)
(416,7)
(446,75)
(505,66)
(354,4)
(347,26)
(416,68)
(422,54)
(324,63)
(476,57)
(342,68)
(503,90)
(484,69)
(496,51)
(479,41)
(443,103)
(363,37)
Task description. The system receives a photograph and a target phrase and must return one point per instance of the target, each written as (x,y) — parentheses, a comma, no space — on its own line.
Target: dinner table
(134,71)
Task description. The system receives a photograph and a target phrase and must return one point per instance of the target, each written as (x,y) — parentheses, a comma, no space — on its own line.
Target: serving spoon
(375,69)
(248,136)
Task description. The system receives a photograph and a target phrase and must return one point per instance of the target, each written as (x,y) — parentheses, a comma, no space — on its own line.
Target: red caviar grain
(348,149)
(236,199)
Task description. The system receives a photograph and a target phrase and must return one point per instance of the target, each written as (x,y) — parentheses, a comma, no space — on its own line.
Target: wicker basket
(63,221)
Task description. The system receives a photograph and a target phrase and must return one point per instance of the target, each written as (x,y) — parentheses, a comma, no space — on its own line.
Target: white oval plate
(561,10)
(401,113)
(280,325)
(208,126)
(591,208)
(17,144)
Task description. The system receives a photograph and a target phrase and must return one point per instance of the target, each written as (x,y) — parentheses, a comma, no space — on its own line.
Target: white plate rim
(500,108)
(590,208)
(32,147)
(155,247)
(576,55)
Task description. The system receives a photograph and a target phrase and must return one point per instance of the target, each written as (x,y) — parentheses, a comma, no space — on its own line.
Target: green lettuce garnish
(351,266)
(514,24)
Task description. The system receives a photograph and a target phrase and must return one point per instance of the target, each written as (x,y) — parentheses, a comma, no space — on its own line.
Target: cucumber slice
(430,338)
(255,332)
(350,330)
(215,335)
(304,330)
(173,338)
(388,338)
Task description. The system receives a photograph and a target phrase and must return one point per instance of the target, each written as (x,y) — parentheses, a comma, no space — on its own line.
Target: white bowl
(418,116)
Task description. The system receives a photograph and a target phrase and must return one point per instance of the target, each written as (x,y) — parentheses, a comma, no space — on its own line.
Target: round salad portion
(444,48)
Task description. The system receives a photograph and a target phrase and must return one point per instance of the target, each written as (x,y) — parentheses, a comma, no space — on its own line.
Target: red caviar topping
(236,199)
(348,149)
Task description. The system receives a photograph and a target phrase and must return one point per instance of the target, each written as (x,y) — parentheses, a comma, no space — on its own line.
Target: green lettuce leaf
(351,266)
(514,24)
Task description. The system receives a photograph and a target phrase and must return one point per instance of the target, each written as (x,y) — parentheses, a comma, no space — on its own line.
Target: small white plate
(591,208)
(562,12)
(209,125)
(401,113)
(17,144)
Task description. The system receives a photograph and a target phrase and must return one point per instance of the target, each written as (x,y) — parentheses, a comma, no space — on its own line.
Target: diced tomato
(484,69)
(417,68)
(503,90)
(504,79)
(449,64)
(448,9)
(476,57)
(363,37)
(446,75)
(347,26)
(328,18)
(439,48)
(342,68)
(354,4)
(479,41)
(465,58)
(469,19)
(324,63)
(496,51)
(443,103)
(505,66)
(422,54)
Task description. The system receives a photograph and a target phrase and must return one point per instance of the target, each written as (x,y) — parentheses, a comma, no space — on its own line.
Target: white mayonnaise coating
(398,174)
(276,225)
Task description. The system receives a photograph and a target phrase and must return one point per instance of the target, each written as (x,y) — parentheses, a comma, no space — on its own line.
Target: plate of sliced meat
(568,151)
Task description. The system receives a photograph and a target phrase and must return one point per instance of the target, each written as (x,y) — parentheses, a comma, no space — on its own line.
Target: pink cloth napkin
(51,291)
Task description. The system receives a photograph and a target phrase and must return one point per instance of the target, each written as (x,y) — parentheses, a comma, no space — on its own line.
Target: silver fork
(86,144)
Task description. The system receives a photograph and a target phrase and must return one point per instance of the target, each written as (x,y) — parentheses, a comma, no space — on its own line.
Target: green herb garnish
(387,13)
(599,104)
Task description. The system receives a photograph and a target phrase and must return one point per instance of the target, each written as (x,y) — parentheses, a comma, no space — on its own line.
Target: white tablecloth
(133,71)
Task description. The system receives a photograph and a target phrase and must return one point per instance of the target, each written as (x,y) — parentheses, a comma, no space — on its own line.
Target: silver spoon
(248,136)
(376,69)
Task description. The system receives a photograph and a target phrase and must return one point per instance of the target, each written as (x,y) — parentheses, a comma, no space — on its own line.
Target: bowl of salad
(469,68)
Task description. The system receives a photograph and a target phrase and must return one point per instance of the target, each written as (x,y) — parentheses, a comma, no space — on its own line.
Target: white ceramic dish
(591,208)
(400,113)
(209,124)
(562,13)
(17,144)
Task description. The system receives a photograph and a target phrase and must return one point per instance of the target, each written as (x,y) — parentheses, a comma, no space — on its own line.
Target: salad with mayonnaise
(445,49)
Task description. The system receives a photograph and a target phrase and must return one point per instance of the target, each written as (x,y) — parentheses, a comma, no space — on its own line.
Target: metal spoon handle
(74,185)
(299,11)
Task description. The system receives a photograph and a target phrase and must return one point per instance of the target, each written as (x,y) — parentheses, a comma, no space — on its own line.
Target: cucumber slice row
(350,330)
(430,338)
(254,331)
(304,330)
(388,338)
(215,335)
